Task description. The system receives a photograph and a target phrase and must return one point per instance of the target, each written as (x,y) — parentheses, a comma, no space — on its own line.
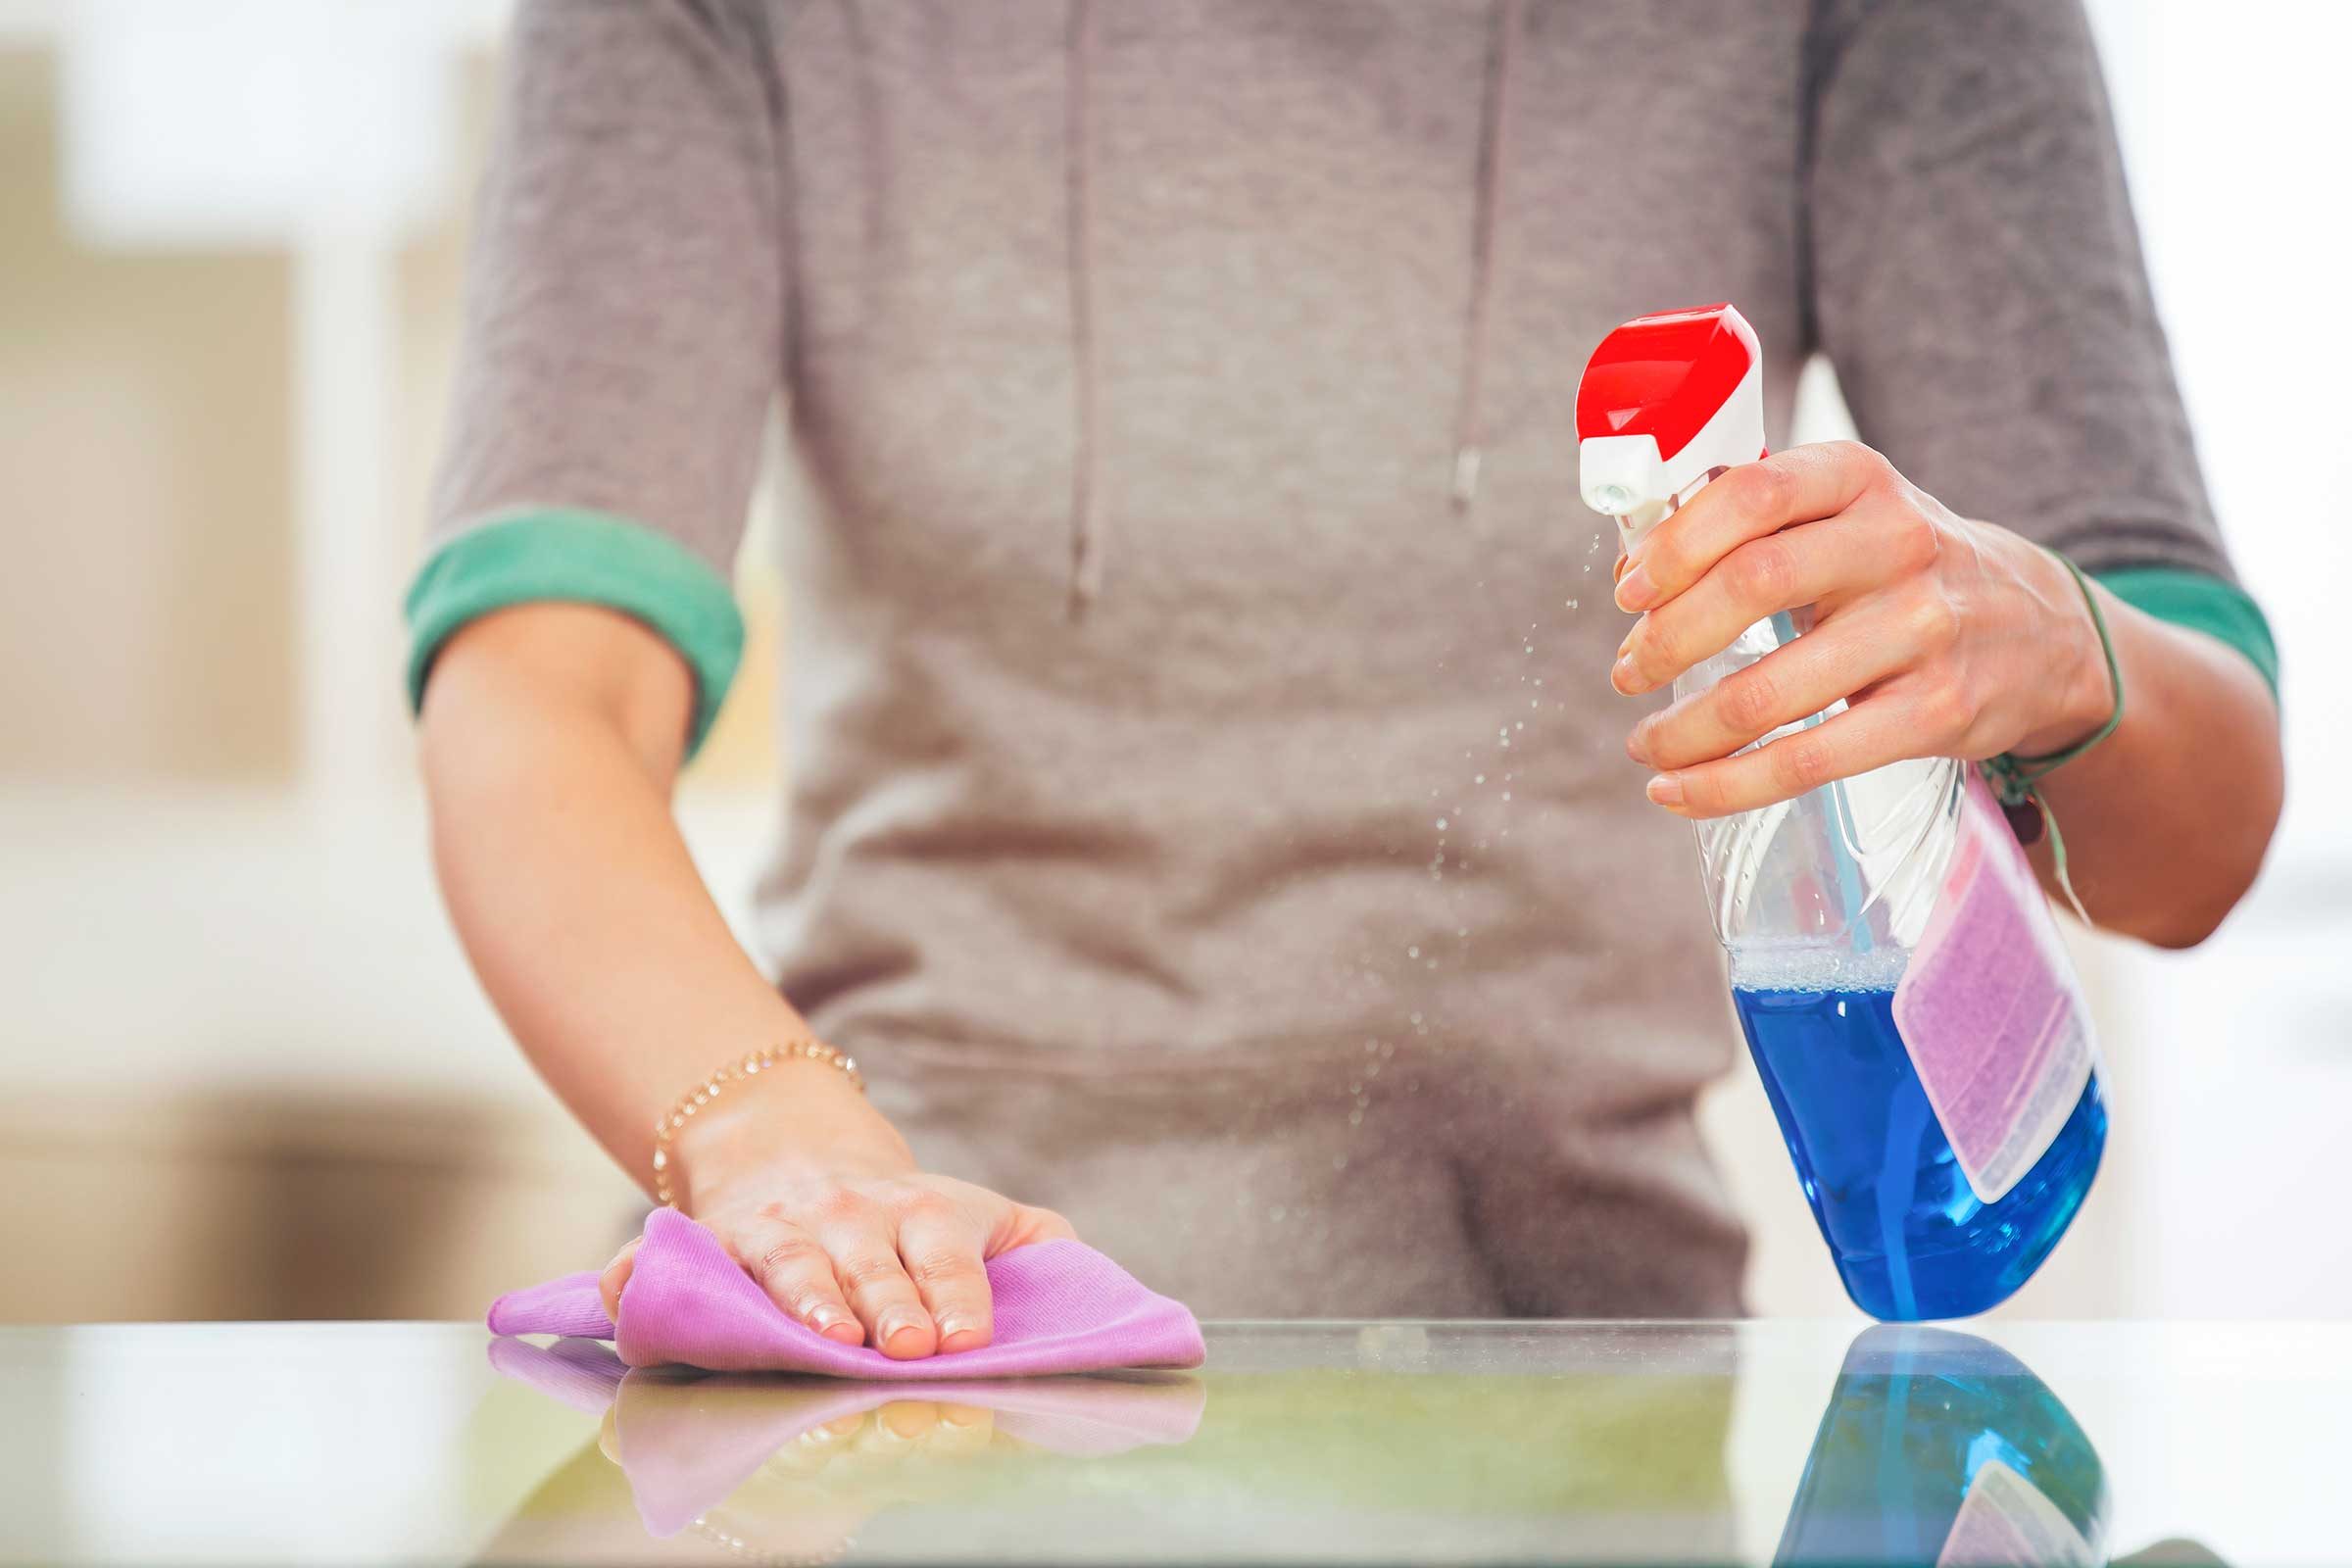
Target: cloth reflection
(1614,1452)
(790,1467)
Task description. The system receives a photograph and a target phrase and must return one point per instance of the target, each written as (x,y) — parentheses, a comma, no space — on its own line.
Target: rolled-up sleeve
(624,331)
(1977,281)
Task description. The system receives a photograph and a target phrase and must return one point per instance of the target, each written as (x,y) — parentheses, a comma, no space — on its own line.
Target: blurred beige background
(243,1071)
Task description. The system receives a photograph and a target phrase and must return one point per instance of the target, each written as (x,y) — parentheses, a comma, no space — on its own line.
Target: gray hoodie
(1208,815)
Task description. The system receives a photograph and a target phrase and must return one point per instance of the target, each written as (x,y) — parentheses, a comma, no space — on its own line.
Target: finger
(858,1234)
(1860,549)
(907,1419)
(1755,500)
(814,1449)
(940,1243)
(1026,1223)
(1008,1224)
(963,1429)
(1879,728)
(1839,658)
(615,1278)
(608,1433)
(797,1272)
(897,1431)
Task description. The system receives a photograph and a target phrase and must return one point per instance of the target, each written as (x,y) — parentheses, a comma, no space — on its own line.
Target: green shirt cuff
(2201,603)
(588,558)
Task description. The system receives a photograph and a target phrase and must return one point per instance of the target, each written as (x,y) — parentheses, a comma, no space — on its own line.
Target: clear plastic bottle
(1894,963)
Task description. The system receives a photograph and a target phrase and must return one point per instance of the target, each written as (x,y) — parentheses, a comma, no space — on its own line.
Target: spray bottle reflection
(1940,1448)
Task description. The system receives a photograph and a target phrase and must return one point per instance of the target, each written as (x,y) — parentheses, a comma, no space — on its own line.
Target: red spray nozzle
(1665,402)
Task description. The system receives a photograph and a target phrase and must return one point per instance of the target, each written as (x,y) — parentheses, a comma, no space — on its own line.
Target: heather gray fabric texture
(1292,918)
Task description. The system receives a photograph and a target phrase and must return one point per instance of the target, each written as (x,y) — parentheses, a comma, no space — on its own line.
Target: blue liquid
(1914,1417)
(1910,1237)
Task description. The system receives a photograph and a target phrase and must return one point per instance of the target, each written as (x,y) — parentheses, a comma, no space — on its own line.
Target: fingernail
(1635,590)
(951,1326)
(1637,743)
(825,1319)
(1623,675)
(896,1323)
(1666,790)
(906,1420)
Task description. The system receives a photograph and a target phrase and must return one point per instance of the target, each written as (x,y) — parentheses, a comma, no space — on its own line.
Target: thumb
(609,1283)
(1026,1223)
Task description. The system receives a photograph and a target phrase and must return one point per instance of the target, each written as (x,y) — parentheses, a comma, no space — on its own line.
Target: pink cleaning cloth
(1060,1306)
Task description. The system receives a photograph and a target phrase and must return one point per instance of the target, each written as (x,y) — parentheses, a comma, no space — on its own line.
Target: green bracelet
(2016,779)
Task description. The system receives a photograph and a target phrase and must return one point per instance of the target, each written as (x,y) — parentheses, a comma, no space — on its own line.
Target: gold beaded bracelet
(703,1093)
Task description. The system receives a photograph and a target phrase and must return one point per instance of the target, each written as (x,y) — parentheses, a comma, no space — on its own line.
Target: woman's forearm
(2166,822)
(550,739)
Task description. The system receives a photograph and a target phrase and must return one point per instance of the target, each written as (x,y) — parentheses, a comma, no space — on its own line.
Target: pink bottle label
(2006,1522)
(1990,1007)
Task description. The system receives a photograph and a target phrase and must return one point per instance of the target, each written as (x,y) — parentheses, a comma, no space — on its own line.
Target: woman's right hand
(820,1201)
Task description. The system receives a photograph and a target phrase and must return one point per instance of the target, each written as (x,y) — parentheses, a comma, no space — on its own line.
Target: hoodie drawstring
(1085,543)
(1469,435)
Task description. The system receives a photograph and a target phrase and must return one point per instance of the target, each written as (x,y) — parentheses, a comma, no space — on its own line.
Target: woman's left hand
(1946,637)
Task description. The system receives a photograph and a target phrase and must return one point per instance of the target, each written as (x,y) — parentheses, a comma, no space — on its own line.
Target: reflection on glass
(1403,1447)
(1940,1448)
(789,1468)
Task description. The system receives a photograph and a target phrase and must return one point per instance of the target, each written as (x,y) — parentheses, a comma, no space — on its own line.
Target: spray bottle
(1895,965)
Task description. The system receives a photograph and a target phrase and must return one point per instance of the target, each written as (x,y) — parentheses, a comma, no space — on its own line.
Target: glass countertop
(1766,1442)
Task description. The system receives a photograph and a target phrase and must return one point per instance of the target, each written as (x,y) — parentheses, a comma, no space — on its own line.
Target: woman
(1207,816)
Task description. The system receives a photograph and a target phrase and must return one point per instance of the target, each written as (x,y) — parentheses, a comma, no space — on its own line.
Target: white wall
(2236,132)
